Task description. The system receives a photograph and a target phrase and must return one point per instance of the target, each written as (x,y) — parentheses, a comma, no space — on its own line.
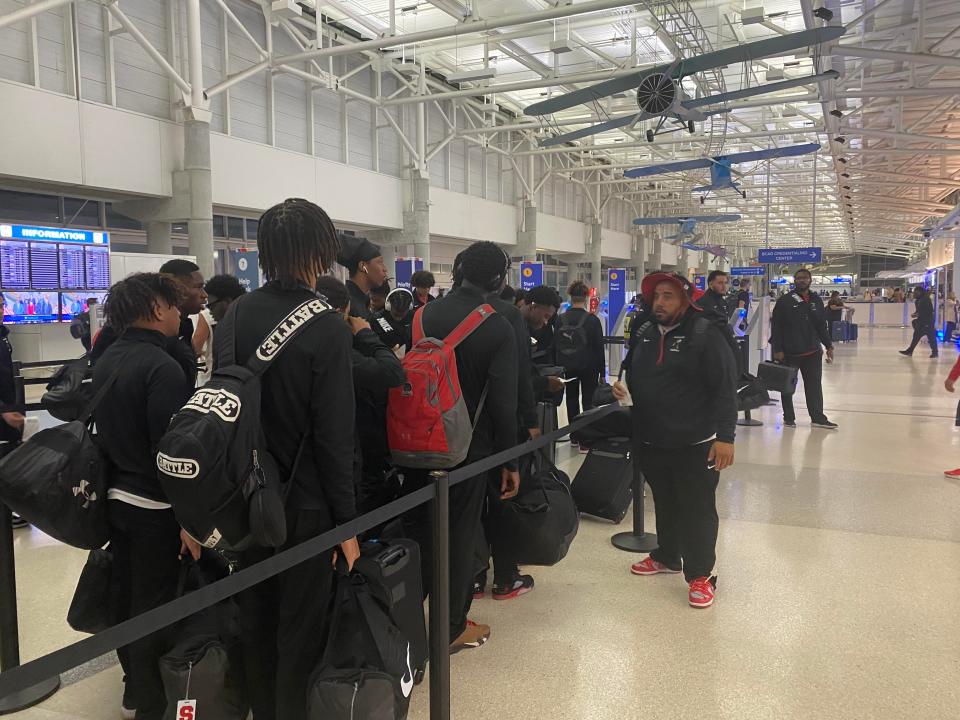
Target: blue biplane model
(688,224)
(721,174)
(661,95)
(715,250)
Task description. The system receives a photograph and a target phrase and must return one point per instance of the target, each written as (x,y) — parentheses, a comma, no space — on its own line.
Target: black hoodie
(683,384)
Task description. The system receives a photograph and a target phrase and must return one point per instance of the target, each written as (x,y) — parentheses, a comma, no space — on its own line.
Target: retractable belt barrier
(83,651)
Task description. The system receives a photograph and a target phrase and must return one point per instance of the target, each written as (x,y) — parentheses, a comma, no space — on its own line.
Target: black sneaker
(520,586)
(906,353)
(17,522)
(789,423)
(128,708)
(934,355)
(480,587)
(824,424)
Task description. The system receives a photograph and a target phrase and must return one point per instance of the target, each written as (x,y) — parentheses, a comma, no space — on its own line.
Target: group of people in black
(329,387)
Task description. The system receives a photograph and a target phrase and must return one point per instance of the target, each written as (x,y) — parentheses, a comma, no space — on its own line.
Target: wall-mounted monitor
(30,307)
(74,303)
(41,263)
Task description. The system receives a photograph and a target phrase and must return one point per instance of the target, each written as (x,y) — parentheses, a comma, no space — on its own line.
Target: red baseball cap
(651,281)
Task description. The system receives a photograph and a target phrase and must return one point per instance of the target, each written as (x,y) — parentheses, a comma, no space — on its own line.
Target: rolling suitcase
(838,331)
(392,570)
(602,486)
(854,332)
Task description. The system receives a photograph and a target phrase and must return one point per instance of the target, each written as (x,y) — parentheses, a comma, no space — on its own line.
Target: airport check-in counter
(881,314)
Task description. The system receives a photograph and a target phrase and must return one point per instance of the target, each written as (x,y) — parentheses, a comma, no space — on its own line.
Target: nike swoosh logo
(406,686)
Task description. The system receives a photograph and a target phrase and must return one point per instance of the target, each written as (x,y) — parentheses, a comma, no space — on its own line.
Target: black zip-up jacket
(307,393)
(359,301)
(526,400)
(179,349)
(594,330)
(683,385)
(134,414)
(8,389)
(799,325)
(489,354)
(924,309)
(375,370)
(715,303)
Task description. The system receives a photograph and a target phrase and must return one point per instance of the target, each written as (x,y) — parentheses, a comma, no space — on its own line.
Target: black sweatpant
(146,567)
(503,553)
(684,495)
(466,506)
(585,382)
(811,369)
(284,623)
(931,333)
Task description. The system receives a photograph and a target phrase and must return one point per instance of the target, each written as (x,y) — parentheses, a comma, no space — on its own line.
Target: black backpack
(571,342)
(70,390)
(213,462)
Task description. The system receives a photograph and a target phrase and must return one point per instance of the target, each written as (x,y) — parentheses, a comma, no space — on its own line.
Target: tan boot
(473,636)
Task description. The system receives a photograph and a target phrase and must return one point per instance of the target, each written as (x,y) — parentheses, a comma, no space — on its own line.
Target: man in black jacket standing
(715,298)
(364,261)
(308,402)
(487,358)
(923,323)
(799,329)
(578,344)
(682,381)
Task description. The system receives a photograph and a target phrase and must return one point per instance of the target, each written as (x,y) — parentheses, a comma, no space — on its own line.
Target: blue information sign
(790,255)
(531,275)
(61,235)
(758,271)
(700,282)
(404,269)
(247,264)
(616,296)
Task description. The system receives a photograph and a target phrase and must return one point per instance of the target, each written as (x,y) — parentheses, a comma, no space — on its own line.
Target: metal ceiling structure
(889,127)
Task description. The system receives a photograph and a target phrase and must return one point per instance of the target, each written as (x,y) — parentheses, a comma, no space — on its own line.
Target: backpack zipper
(353,700)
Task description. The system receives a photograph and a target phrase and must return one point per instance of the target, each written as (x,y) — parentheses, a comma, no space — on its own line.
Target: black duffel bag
(57,480)
(751,393)
(541,522)
(617,423)
(203,664)
(778,377)
(93,607)
(365,671)
(69,390)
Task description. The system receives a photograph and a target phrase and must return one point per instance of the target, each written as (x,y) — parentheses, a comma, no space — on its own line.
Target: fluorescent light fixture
(561,46)
(752,16)
(461,76)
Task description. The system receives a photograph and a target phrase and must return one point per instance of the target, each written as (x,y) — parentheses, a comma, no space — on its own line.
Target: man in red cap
(681,377)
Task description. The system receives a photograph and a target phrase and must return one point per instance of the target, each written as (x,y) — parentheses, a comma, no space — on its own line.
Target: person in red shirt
(949,384)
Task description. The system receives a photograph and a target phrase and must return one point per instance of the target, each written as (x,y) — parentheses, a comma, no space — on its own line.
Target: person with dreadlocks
(308,402)
(147,386)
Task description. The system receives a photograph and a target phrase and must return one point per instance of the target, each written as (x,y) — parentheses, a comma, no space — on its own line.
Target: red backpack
(428,424)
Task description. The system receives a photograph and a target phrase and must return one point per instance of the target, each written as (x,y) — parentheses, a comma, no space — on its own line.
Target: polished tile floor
(839,555)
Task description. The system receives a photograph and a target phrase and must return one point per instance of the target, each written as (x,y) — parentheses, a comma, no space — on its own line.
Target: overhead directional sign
(758,271)
(790,255)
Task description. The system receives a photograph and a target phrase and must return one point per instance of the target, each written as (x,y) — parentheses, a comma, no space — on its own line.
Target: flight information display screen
(44,273)
(15,265)
(97,267)
(40,267)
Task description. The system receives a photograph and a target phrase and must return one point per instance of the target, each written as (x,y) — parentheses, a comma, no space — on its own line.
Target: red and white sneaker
(649,566)
(702,592)
(953,474)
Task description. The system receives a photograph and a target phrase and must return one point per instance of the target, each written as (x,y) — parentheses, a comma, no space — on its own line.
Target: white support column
(594,254)
(196,150)
(527,234)
(638,258)
(656,255)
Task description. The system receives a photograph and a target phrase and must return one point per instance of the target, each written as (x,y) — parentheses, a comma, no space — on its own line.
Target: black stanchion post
(9,624)
(636,540)
(440,601)
(746,420)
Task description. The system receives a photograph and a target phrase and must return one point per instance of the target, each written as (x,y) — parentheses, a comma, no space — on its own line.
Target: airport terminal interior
(786,171)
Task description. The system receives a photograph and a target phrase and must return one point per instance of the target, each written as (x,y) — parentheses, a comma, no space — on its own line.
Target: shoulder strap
(470,323)
(287,330)
(418,325)
(634,342)
(101,393)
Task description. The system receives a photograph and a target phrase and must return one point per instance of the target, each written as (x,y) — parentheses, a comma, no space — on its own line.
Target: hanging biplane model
(721,172)
(688,225)
(715,250)
(660,94)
